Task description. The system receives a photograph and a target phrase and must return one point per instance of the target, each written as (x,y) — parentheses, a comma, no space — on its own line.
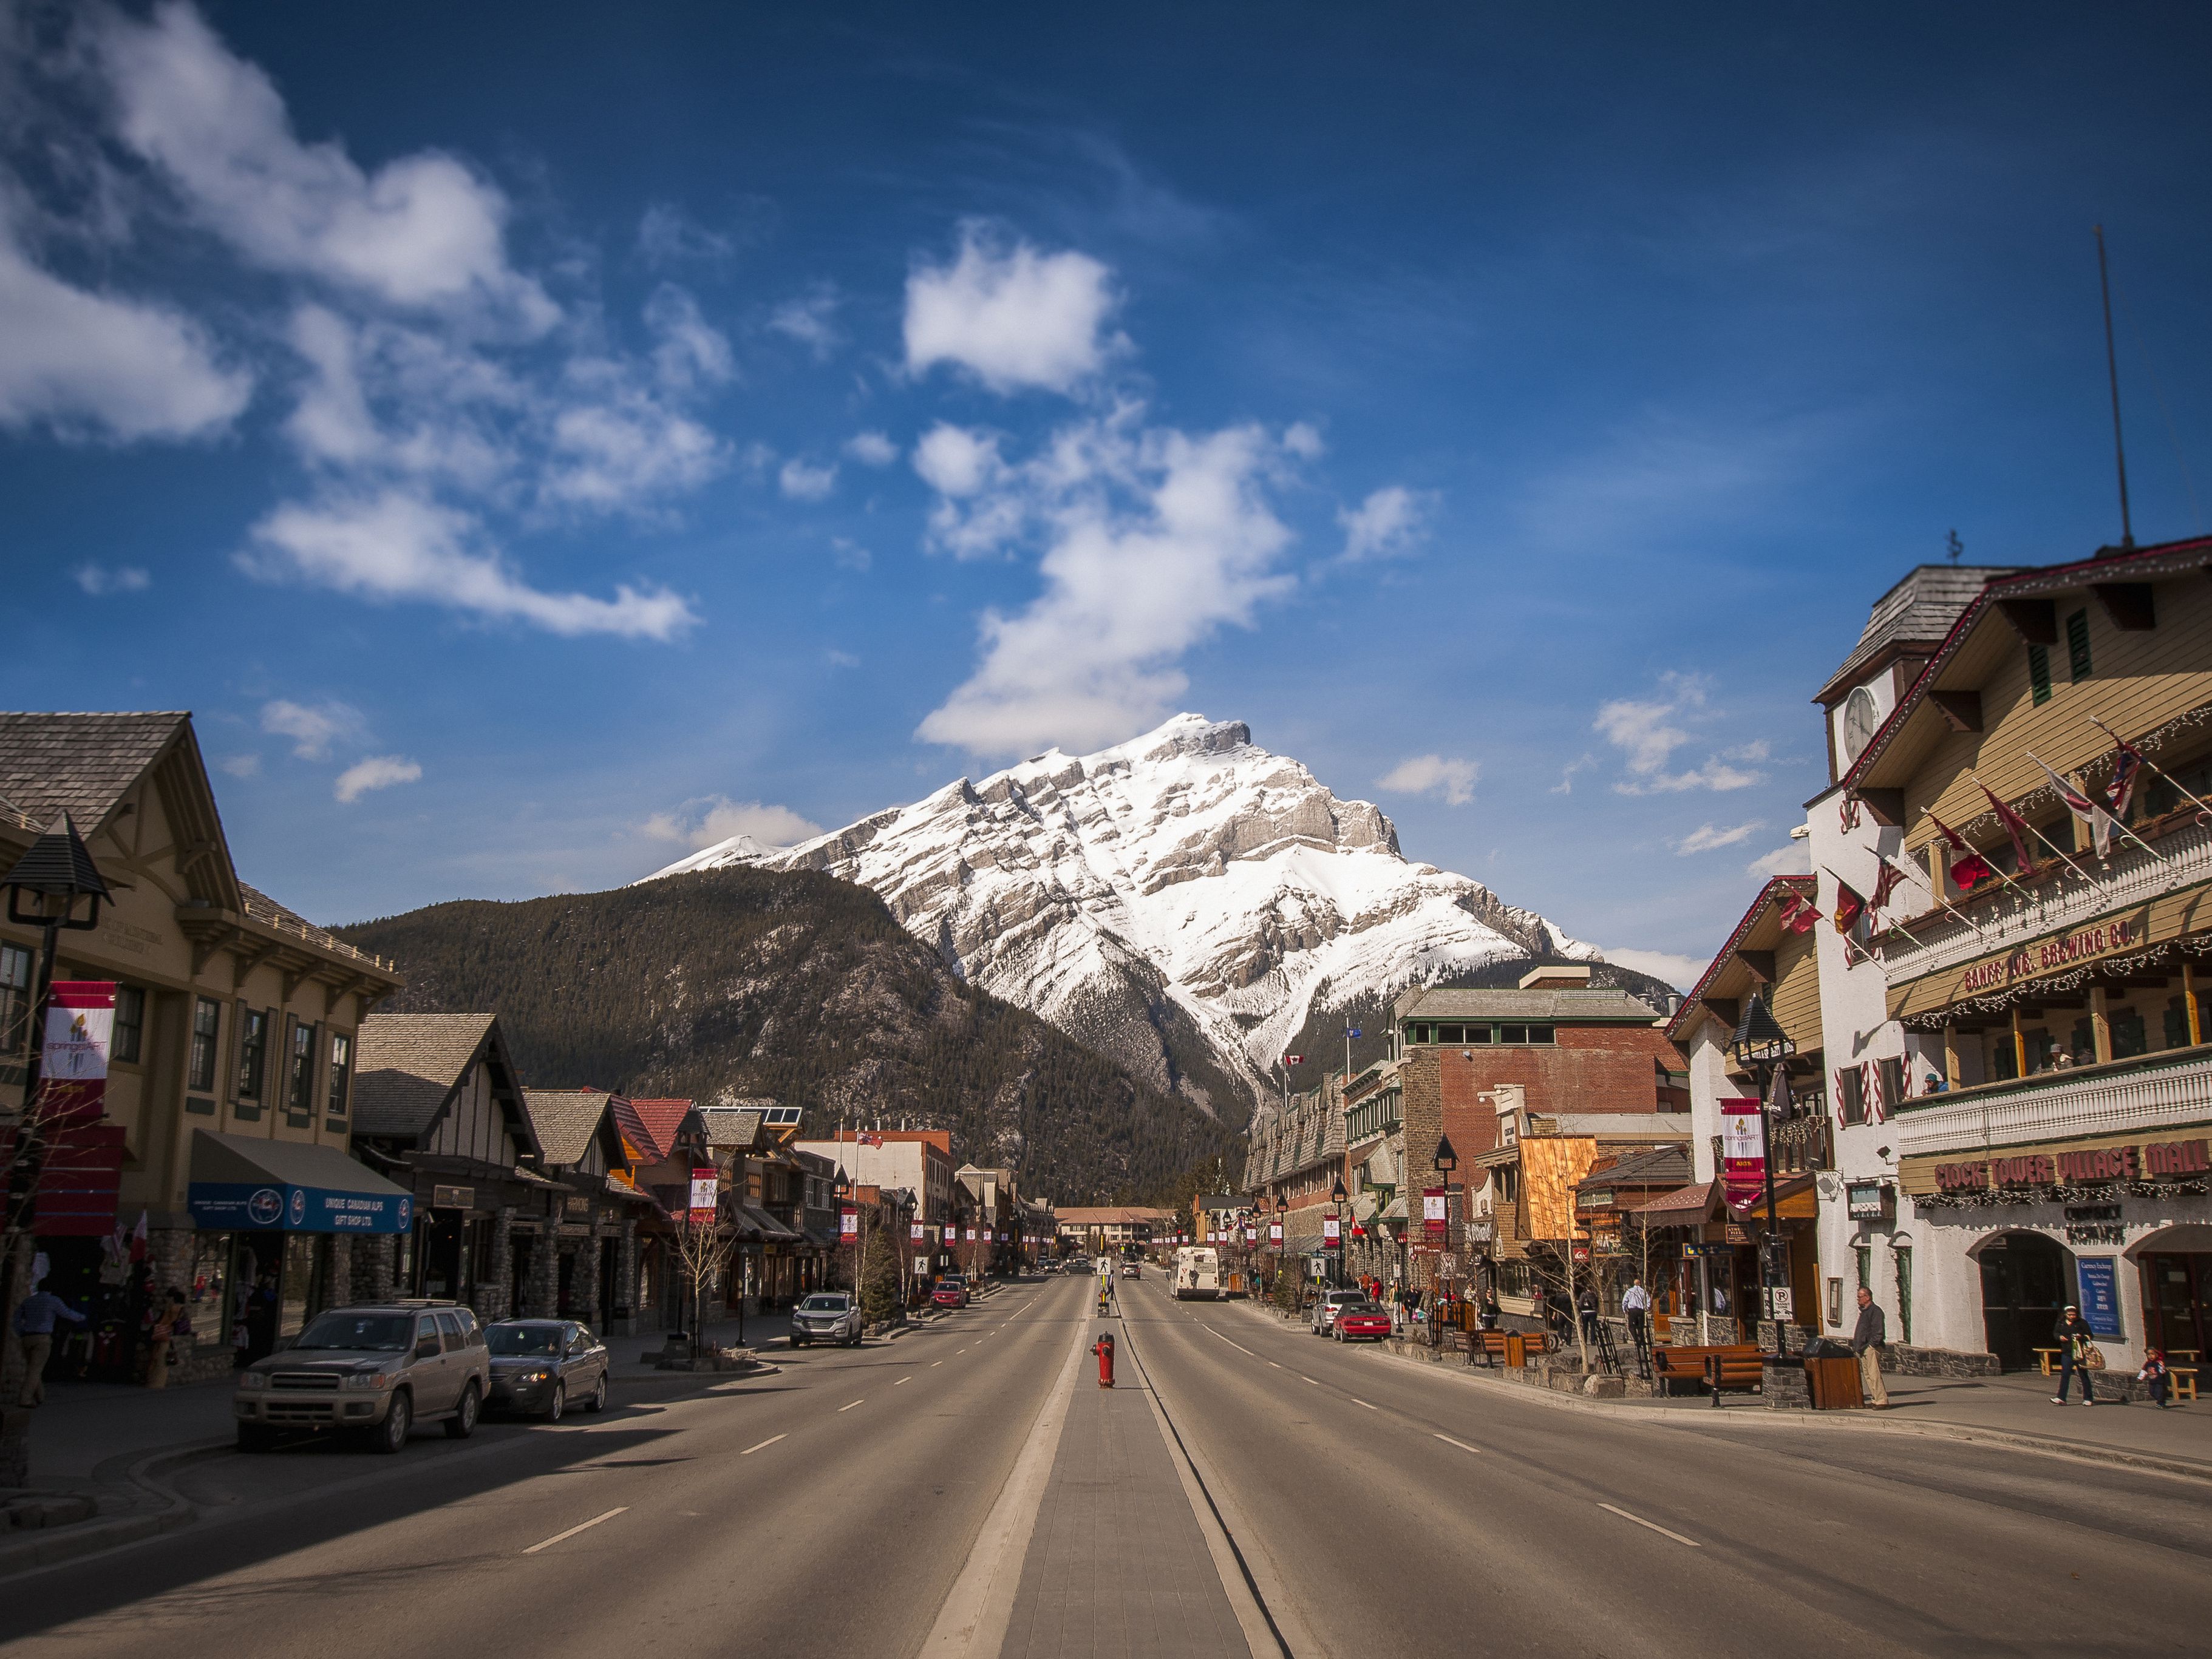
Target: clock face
(1859,723)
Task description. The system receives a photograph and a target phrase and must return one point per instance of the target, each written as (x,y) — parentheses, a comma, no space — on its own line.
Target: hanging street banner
(1433,1222)
(1332,1234)
(1743,1158)
(73,1055)
(706,1184)
(848,1224)
(1275,1233)
(917,1230)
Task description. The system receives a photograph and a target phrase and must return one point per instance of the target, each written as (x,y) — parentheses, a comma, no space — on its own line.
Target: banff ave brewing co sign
(2038,959)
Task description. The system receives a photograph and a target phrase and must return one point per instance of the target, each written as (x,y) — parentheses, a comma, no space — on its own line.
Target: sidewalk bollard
(1104,1347)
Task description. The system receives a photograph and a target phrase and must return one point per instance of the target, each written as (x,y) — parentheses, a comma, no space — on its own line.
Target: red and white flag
(2015,826)
(2127,771)
(1795,912)
(1968,867)
(1294,1059)
(1886,878)
(2101,823)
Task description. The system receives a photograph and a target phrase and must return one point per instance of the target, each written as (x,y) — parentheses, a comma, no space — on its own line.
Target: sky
(536,442)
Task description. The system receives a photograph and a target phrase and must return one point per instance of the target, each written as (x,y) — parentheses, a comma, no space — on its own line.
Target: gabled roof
(2164,561)
(566,1120)
(406,1064)
(1660,1166)
(663,1121)
(634,1133)
(1740,938)
(81,764)
(1683,1205)
(731,1129)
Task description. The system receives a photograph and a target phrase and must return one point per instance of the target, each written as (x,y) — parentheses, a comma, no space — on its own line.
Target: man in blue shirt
(34,1340)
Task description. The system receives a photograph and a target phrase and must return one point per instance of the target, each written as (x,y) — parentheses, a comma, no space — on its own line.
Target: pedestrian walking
(1636,1303)
(2077,1352)
(2153,1374)
(34,1340)
(1586,1306)
(1489,1309)
(1867,1338)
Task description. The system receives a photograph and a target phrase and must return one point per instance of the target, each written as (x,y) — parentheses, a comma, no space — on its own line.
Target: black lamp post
(1446,1160)
(1336,1197)
(1282,1230)
(1762,1048)
(59,871)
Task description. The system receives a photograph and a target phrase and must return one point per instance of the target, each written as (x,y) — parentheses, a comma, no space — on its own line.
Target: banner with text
(1743,1158)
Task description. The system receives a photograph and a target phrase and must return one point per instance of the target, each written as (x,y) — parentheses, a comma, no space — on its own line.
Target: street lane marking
(1357,1400)
(960,1350)
(1461,1445)
(1277,1367)
(762,1446)
(861,1401)
(1303,1378)
(902,1379)
(933,1365)
(573,1531)
(1239,1346)
(1654,1525)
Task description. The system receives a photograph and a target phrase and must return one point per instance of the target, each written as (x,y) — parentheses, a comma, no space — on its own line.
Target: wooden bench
(1498,1346)
(1740,1366)
(2048,1357)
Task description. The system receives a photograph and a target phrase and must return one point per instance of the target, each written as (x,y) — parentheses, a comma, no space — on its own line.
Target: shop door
(2026,1284)
(444,1254)
(2173,1291)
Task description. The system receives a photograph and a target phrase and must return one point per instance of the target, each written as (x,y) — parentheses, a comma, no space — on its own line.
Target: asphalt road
(1389,1508)
(825,1511)
(1378,1506)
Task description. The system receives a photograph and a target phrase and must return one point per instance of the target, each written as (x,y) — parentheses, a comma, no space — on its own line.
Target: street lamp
(1336,1203)
(59,871)
(1761,1047)
(1447,1161)
(1282,1229)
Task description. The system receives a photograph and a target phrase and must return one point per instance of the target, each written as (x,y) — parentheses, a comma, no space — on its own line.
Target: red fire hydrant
(1104,1347)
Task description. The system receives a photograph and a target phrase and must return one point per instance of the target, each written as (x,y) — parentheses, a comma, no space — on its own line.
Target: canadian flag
(1294,1059)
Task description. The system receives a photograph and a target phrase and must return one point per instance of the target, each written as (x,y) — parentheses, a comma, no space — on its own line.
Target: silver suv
(375,1372)
(826,1316)
(1329,1305)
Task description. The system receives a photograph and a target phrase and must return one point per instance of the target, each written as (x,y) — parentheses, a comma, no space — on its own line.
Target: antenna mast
(2112,372)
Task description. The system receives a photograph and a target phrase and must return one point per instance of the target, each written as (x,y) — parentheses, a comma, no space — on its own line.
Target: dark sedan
(544,1367)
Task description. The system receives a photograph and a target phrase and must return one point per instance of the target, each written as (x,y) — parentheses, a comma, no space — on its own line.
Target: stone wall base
(1908,1361)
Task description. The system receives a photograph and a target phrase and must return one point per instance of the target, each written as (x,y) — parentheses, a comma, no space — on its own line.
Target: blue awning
(242,1183)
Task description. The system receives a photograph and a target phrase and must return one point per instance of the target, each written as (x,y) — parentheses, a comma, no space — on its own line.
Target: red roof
(661,1119)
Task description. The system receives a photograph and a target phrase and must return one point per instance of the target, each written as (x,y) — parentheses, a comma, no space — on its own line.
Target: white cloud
(1567,783)
(1303,441)
(424,230)
(703,823)
(1387,523)
(1707,837)
(394,546)
(666,235)
(687,352)
(379,772)
(99,580)
(313,730)
(241,765)
(1796,859)
(1432,774)
(1676,970)
(83,362)
(802,482)
(1647,735)
(959,461)
(871,449)
(850,555)
(625,449)
(1152,540)
(840,659)
(1011,316)
(807,320)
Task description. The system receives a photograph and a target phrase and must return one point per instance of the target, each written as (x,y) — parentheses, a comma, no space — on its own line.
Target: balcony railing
(2151,1092)
(2057,899)
(1803,1145)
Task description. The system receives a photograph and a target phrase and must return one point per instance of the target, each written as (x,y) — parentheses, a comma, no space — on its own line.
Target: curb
(1841,1422)
(70,1543)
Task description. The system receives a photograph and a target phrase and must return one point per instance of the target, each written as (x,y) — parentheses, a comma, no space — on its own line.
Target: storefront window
(14,998)
(341,1072)
(130,1022)
(253,1053)
(207,1022)
(301,1086)
(205,1295)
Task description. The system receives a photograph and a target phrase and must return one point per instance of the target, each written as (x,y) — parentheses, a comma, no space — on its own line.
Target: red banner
(1332,1234)
(1435,1223)
(1743,1154)
(848,1224)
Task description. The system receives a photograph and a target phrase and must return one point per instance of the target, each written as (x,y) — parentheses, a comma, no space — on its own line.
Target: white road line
(1461,1445)
(933,1365)
(573,1531)
(902,1379)
(1239,1346)
(861,1401)
(763,1445)
(960,1350)
(1277,1367)
(1303,1378)
(1357,1400)
(1654,1525)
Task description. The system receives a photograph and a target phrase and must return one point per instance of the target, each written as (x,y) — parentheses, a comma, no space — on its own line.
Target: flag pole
(1906,869)
(2098,806)
(2146,760)
(2041,837)
(1994,870)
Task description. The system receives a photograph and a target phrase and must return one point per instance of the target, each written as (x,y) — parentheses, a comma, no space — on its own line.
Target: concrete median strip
(620,1509)
(973,1621)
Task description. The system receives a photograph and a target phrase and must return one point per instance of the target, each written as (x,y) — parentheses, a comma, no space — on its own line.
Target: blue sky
(534,439)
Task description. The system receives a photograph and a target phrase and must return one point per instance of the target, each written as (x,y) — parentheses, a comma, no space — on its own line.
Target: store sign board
(2101,1295)
(1868,1200)
(2063,952)
(2078,1166)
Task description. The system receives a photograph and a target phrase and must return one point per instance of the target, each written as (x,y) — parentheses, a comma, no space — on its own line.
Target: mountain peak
(1181,902)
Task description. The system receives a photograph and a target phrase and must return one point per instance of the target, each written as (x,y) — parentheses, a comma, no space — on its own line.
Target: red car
(951,1292)
(1363,1321)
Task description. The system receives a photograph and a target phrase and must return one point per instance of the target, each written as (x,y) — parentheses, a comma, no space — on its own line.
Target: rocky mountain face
(1184,903)
(740,982)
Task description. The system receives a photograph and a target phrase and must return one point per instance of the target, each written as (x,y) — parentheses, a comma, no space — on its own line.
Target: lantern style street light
(1336,1196)
(1762,1048)
(1447,1161)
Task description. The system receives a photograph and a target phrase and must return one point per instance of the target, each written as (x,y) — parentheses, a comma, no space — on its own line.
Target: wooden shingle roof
(406,1064)
(80,764)
(566,1120)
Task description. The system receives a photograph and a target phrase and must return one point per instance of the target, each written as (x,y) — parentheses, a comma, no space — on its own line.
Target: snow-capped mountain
(1180,902)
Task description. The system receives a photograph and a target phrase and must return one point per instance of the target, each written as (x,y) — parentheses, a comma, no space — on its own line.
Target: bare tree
(702,1249)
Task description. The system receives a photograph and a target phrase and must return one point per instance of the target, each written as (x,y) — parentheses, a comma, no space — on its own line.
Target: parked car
(1361,1321)
(544,1367)
(1326,1305)
(374,1370)
(827,1315)
(951,1292)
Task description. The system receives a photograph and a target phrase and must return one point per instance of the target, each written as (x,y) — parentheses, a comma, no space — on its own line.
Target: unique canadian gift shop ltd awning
(241,1183)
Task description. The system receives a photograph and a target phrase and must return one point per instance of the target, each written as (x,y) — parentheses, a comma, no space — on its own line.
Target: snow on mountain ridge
(1178,901)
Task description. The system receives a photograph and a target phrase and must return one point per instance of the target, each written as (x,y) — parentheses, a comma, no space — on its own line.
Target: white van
(1197,1274)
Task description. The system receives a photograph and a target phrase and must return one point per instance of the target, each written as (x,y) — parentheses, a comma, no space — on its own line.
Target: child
(2153,1372)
